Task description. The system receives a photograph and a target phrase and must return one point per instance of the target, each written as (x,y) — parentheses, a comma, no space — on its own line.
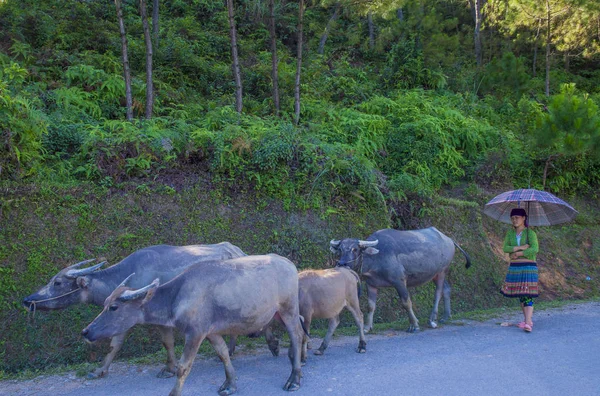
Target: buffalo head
(122,310)
(64,289)
(351,251)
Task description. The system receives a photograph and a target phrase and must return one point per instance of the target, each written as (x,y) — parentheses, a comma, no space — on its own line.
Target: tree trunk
(328,28)
(155,28)
(400,14)
(371,30)
(235,59)
(126,71)
(299,64)
(535,49)
(148,41)
(548,163)
(477,33)
(548,36)
(274,62)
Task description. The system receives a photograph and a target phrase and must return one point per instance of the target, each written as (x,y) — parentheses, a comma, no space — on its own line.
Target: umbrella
(542,207)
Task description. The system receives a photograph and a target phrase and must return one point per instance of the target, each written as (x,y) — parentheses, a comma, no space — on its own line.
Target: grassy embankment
(45,228)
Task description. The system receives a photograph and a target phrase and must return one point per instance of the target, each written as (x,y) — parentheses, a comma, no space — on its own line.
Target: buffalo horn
(335,243)
(134,294)
(82,272)
(80,264)
(125,281)
(366,244)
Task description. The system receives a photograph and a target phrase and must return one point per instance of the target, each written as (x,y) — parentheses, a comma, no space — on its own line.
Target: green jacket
(527,237)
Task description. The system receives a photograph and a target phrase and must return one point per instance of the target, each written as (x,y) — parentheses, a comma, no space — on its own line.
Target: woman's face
(517,221)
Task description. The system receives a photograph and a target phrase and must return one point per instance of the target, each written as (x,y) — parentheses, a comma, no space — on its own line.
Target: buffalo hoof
(274,351)
(318,352)
(97,374)
(432,324)
(291,386)
(362,347)
(413,329)
(227,389)
(166,373)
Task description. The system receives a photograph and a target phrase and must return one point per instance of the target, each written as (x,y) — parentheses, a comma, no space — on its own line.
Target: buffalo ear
(150,292)
(333,250)
(371,250)
(83,282)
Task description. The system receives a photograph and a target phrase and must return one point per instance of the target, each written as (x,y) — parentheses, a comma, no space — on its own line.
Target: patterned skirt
(521,280)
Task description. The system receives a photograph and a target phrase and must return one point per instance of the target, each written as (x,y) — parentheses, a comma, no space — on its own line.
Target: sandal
(528,328)
(521,325)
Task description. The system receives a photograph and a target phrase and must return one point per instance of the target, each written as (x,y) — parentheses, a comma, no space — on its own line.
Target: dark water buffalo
(401,259)
(323,294)
(209,300)
(91,286)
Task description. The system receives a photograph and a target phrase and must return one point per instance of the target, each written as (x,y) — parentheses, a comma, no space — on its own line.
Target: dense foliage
(393,115)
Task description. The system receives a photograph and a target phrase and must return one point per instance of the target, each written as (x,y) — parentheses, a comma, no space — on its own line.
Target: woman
(522,278)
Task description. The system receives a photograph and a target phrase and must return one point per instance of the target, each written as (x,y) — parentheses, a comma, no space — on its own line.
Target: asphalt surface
(560,357)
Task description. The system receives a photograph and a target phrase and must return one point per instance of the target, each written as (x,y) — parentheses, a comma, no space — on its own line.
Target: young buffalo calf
(322,294)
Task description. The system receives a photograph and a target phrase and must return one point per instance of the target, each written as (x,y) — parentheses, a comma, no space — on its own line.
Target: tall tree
(274,61)
(148,41)
(371,30)
(325,34)
(155,27)
(299,62)
(477,6)
(234,56)
(125,57)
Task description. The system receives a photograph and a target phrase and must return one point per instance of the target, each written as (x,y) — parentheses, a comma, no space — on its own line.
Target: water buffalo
(91,286)
(209,300)
(323,294)
(401,260)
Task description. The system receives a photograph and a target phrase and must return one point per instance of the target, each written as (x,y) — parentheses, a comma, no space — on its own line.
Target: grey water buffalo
(209,300)
(323,294)
(401,259)
(91,285)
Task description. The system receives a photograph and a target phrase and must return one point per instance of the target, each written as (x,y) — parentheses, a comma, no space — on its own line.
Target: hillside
(49,227)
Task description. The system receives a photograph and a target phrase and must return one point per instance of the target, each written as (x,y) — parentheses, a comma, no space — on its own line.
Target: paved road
(560,357)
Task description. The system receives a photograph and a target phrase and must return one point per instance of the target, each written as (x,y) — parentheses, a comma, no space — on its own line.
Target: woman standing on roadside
(522,278)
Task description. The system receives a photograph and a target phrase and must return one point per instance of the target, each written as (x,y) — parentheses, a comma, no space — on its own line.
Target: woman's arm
(508,247)
(533,246)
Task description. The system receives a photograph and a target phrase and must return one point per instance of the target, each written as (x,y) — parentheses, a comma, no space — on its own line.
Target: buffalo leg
(218,343)
(115,346)
(231,344)
(333,324)
(272,341)
(307,322)
(438,280)
(292,324)
(168,341)
(354,308)
(192,343)
(372,294)
(407,304)
(447,312)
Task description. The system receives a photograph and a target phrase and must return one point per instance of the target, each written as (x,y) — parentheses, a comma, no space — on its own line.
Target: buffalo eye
(57,283)
(113,307)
